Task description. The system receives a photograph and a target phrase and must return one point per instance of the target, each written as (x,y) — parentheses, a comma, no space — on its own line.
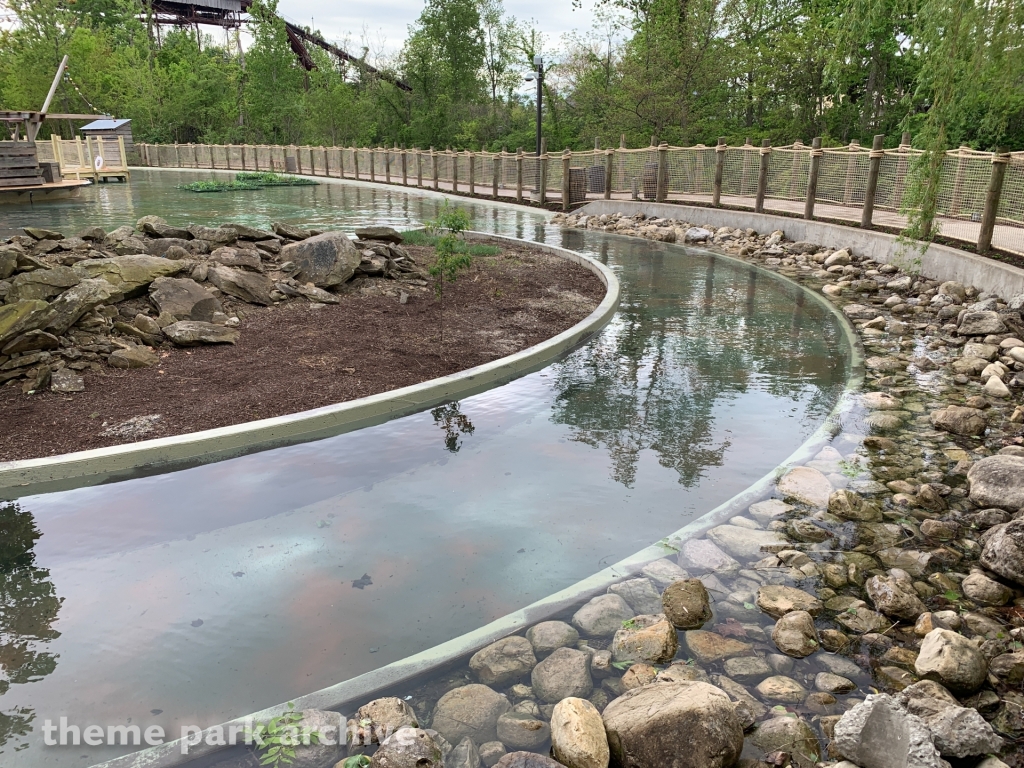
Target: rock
(747,669)
(578,737)
(998,481)
(325,260)
(702,555)
(777,601)
(951,659)
(986,591)
(157,229)
(386,716)
(638,675)
(835,684)
(878,733)
(686,604)
(183,298)
(133,357)
(233,257)
(770,509)
(639,594)
(21,317)
(956,731)
(550,635)
(173,248)
(697,235)
(526,760)
(68,308)
(602,616)
(566,672)
(980,324)
(31,342)
(895,597)
(408,748)
(308,291)
(42,284)
(1003,552)
(788,734)
(504,661)
(190,333)
(129,274)
(806,485)
(66,381)
(663,572)
(250,287)
(650,639)
(217,235)
(794,634)
(745,543)
(471,710)
(850,506)
(491,753)
(519,730)
(38,233)
(247,232)
(709,647)
(466,755)
(781,689)
(994,387)
(386,234)
(959,420)
(675,725)
(1008,667)
(292,233)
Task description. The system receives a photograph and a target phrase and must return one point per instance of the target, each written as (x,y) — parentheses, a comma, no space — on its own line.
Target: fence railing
(981,197)
(92,157)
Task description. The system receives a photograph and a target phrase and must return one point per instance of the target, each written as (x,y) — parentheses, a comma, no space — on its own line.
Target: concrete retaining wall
(939,262)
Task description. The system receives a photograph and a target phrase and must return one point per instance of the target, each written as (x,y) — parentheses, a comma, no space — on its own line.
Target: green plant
(449,258)
(629,624)
(278,737)
(356,761)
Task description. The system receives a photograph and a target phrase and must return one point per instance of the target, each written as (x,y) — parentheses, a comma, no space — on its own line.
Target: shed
(111,129)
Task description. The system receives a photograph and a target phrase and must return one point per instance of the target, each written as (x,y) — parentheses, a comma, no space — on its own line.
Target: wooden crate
(19,164)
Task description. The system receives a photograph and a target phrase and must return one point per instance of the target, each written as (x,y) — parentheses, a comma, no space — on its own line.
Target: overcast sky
(389,20)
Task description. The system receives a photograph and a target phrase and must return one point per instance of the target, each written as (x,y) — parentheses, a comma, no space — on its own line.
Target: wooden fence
(95,157)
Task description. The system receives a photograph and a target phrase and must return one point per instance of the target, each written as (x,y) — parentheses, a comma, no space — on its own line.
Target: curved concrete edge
(366,184)
(938,262)
(405,672)
(32,476)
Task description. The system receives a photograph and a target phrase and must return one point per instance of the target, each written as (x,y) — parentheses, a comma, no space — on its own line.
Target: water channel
(204,594)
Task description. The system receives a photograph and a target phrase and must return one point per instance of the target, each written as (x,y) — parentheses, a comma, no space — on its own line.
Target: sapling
(451,256)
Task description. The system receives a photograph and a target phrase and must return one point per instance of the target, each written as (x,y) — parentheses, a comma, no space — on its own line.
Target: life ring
(98,163)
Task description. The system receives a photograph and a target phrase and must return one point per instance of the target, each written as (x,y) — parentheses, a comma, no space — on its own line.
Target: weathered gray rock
(408,748)
(956,731)
(880,734)
(159,229)
(673,725)
(66,381)
(951,659)
(39,233)
(133,357)
(174,248)
(42,284)
(640,595)
(289,231)
(746,543)
(986,591)
(472,710)
(129,274)
(216,235)
(578,739)
(747,669)
(709,647)
(30,342)
(250,287)
(183,298)
(850,506)
(834,684)
(566,672)
(686,604)
(239,259)
(526,760)
(503,662)
(794,634)
(980,324)
(777,601)
(191,333)
(649,639)
(387,234)
(464,755)
(1008,667)
(247,232)
(17,318)
(998,481)
(895,597)
(549,635)
(321,755)
(386,716)
(788,734)
(1003,552)
(602,616)
(68,308)
(806,485)
(519,730)
(325,260)
(959,420)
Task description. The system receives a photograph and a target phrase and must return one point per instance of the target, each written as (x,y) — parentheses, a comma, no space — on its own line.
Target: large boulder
(42,284)
(673,725)
(956,731)
(959,420)
(951,659)
(325,260)
(69,307)
(566,672)
(471,710)
(504,661)
(250,287)
(980,324)
(191,333)
(789,734)
(578,739)
(998,481)
(408,748)
(640,594)
(649,639)
(184,299)
(129,274)
(22,316)
(878,733)
(1004,550)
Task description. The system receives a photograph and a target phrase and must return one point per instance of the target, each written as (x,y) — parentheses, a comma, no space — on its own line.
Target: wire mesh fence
(839,180)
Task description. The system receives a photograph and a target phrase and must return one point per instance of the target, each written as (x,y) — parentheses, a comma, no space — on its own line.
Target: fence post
(1000,159)
(661,190)
(498,160)
(472,173)
(716,192)
(177,157)
(405,167)
(519,175)
(566,164)
(355,162)
(812,177)
(387,165)
(762,177)
(874,164)
(373,163)
(455,170)
(434,164)
(609,163)
(542,191)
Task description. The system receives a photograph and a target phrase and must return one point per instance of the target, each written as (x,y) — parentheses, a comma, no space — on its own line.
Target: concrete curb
(938,262)
(404,672)
(32,476)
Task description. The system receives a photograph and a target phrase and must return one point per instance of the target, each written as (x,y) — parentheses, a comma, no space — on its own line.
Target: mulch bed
(294,357)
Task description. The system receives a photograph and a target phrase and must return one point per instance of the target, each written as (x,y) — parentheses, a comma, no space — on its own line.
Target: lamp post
(538,62)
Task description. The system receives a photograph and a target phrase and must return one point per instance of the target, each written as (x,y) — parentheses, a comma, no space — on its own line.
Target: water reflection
(28,609)
(454,423)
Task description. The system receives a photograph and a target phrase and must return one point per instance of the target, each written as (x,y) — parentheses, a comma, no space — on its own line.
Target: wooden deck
(60,190)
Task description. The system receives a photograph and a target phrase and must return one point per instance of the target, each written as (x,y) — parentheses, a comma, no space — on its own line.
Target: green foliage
(356,761)
(267,179)
(217,186)
(425,238)
(450,255)
(629,624)
(278,737)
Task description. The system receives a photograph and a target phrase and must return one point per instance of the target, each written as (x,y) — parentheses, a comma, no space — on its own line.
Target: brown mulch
(293,357)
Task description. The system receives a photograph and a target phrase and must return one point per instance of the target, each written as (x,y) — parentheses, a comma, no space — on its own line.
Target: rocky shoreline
(869,613)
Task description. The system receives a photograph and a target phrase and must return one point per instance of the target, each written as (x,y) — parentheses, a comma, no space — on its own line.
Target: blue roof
(104,125)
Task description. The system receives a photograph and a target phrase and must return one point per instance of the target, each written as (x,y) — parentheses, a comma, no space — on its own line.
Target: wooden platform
(19,165)
(37,193)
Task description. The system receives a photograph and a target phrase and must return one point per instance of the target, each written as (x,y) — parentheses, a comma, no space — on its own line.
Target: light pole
(538,62)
